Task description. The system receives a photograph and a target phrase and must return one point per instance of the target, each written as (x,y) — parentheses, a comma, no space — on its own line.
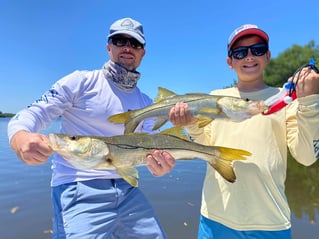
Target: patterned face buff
(121,77)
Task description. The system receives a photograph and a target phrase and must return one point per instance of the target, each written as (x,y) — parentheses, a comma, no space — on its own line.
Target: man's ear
(144,52)
(108,48)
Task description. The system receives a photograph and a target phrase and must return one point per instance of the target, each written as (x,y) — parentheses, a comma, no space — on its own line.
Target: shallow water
(25,205)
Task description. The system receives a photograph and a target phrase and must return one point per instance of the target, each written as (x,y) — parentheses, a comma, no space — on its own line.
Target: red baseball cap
(245,30)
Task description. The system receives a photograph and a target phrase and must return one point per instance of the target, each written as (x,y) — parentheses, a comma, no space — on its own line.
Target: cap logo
(127,23)
(240,29)
(128,26)
(244,27)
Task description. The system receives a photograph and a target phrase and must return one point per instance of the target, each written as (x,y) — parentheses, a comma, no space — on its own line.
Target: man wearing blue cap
(94,203)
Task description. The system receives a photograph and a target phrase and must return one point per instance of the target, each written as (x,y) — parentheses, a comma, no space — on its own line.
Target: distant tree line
(282,67)
(4,115)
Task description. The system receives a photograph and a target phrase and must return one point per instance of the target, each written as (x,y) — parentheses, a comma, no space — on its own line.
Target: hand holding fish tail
(31,148)
(180,115)
(160,163)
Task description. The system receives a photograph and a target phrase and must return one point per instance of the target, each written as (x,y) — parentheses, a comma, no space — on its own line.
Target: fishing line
(311,65)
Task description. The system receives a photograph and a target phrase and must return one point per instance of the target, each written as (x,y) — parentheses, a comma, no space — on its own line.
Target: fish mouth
(55,142)
(256,108)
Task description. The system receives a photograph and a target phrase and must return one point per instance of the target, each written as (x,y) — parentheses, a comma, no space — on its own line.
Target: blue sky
(41,40)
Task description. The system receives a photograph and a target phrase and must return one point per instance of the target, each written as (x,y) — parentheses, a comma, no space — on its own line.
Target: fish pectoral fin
(203,121)
(215,111)
(159,123)
(177,131)
(129,174)
(225,169)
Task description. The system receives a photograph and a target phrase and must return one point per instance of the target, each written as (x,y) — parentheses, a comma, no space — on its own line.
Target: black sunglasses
(242,51)
(122,41)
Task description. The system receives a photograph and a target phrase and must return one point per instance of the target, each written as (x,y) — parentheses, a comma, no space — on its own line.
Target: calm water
(25,205)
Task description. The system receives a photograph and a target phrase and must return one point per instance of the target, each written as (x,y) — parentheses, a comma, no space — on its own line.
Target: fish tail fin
(225,169)
(125,118)
(159,123)
(233,154)
(224,163)
(121,118)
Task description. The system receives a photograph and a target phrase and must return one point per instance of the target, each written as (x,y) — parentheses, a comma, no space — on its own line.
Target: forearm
(303,131)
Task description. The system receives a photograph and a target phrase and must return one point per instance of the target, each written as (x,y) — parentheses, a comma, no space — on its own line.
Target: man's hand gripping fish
(122,153)
(203,106)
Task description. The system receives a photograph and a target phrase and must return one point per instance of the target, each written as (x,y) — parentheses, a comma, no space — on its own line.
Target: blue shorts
(209,229)
(103,208)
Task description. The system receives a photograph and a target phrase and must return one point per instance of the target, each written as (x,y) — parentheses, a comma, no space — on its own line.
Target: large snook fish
(205,107)
(122,153)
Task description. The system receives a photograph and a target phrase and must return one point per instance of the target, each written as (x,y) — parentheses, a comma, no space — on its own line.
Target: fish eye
(73,137)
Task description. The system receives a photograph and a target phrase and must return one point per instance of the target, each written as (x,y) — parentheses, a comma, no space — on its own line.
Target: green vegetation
(4,115)
(285,65)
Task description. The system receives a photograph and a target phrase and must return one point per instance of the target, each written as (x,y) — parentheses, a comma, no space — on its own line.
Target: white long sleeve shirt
(84,100)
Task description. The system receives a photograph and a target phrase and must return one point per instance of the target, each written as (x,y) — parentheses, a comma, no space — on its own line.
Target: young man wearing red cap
(255,206)
(94,203)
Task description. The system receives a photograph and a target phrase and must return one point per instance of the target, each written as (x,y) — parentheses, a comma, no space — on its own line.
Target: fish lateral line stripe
(212,154)
(127,146)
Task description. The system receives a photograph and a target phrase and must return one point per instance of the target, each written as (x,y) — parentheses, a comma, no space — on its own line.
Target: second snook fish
(124,152)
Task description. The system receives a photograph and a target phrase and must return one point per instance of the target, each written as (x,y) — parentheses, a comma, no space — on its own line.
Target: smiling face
(126,55)
(249,69)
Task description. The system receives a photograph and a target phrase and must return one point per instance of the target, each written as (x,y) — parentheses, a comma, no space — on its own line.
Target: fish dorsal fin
(177,131)
(162,94)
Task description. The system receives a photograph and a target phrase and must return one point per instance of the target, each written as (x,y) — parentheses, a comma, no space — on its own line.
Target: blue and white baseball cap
(128,26)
